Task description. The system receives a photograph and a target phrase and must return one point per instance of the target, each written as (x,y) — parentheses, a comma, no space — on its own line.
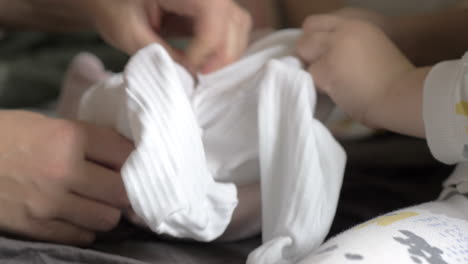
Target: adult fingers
(134,218)
(154,14)
(59,232)
(105,146)
(101,184)
(313,45)
(208,33)
(142,31)
(234,42)
(35,217)
(146,29)
(88,214)
(130,25)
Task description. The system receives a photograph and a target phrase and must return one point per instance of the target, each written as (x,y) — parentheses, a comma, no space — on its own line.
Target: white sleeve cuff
(439,110)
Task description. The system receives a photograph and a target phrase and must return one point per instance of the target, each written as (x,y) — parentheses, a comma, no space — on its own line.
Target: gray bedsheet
(124,252)
(126,245)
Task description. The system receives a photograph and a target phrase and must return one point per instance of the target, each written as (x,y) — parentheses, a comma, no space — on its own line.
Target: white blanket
(251,121)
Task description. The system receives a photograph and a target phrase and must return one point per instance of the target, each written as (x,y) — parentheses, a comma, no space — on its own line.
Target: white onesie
(251,121)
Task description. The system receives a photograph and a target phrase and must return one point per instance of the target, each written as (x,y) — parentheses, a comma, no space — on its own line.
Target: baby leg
(433,233)
(84,71)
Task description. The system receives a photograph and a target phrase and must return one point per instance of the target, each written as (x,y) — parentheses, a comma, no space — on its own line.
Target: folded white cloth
(251,121)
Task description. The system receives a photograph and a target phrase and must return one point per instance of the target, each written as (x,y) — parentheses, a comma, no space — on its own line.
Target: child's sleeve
(445,111)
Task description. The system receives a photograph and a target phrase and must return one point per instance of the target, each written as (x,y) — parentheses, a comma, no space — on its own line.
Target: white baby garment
(251,121)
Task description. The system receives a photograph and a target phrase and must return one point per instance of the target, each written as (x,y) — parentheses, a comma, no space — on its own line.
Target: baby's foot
(84,71)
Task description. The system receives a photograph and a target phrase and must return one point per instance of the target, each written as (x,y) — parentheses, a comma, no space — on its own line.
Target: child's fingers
(311,47)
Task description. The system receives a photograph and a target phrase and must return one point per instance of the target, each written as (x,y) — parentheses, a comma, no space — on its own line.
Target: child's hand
(353,62)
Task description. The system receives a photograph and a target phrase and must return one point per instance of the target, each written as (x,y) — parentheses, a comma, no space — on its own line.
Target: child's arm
(436,100)
(364,73)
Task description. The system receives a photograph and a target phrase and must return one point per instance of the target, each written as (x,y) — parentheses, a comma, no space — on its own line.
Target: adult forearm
(49,15)
(400,109)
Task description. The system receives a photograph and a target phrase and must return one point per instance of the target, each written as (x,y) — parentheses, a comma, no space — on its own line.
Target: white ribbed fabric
(253,120)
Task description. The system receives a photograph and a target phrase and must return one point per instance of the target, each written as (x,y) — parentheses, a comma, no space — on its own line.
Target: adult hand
(58,179)
(220,28)
(353,62)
